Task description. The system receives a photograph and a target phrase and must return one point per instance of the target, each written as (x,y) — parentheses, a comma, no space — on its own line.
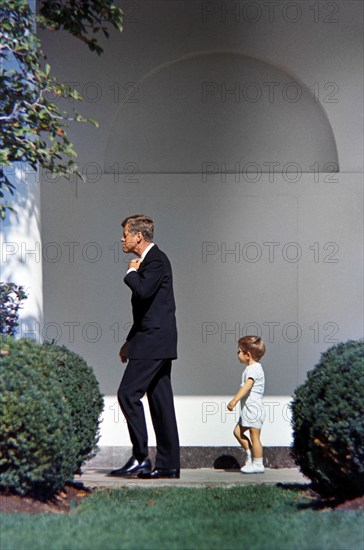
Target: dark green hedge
(50,406)
(328,422)
(37,444)
(82,393)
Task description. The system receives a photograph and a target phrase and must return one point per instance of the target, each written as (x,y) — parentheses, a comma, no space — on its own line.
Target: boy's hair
(253,344)
(140,223)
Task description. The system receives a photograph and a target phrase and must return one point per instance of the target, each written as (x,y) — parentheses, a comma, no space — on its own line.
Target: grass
(260,517)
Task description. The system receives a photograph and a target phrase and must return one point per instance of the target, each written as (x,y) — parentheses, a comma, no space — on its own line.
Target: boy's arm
(242,392)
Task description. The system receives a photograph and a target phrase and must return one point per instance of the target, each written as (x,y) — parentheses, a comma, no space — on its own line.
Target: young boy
(250,350)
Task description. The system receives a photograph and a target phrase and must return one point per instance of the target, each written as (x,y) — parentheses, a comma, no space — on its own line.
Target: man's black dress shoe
(132,468)
(158,473)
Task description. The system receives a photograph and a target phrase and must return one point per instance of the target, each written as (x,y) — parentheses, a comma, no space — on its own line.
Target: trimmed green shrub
(328,422)
(37,444)
(82,393)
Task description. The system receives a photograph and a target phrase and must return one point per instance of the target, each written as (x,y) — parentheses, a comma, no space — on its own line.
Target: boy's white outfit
(252,412)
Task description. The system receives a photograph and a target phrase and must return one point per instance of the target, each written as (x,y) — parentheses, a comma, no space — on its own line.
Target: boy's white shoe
(251,468)
(248,468)
(258,468)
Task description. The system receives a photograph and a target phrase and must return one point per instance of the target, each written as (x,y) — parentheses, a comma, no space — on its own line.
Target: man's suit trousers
(151,377)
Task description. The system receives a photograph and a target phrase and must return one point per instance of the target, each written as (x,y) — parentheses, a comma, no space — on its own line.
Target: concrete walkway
(204,477)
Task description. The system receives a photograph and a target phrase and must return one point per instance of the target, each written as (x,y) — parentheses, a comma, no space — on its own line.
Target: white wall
(252,250)
(203,421)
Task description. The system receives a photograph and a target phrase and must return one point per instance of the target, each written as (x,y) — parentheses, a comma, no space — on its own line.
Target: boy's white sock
(258,465)
(248,457)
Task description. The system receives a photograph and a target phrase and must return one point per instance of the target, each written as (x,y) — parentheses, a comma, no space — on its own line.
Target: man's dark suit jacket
(154,332)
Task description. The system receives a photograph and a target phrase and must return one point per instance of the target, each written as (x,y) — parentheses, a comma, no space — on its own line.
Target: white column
(21,247)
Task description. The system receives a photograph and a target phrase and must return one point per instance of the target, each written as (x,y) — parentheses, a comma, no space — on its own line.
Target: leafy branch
(33,130)
(81,18)
(11,298)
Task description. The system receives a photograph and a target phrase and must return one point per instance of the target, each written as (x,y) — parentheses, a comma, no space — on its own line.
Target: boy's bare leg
(242,438)
(256,443)
(255,448)
(244,441)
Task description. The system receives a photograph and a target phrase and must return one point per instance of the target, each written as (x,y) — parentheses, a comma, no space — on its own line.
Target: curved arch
(226,108)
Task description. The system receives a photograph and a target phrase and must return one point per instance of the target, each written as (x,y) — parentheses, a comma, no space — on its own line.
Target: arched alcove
(223,110)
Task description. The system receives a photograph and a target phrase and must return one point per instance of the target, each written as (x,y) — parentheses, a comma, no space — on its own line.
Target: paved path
(204,477)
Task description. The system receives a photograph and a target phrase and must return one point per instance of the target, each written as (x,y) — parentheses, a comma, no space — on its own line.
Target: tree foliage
(33,130)
(11,297)
(81,18)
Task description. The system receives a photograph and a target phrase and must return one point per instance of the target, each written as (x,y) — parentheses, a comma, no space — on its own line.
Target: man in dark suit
(150,347)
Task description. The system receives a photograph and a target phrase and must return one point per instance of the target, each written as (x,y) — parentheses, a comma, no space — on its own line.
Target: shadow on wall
(21,250)
(220,112)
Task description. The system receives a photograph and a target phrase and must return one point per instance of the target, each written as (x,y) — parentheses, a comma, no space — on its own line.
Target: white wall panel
(260,247)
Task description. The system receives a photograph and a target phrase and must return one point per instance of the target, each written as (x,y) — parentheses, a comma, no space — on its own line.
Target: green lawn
(259,517)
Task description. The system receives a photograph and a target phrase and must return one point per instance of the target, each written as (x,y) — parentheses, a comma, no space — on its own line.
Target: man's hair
(253,344)
(140,223)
